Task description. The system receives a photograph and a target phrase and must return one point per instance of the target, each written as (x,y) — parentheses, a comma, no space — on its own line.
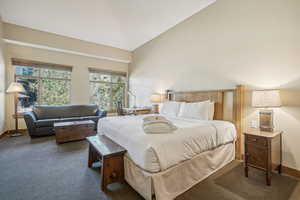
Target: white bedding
(158,152)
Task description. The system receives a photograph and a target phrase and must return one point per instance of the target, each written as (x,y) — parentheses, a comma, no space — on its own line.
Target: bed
(165,165)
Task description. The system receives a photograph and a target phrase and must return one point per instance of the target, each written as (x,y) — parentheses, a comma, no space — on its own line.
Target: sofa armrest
(30,116)
(30,120)
(101,113)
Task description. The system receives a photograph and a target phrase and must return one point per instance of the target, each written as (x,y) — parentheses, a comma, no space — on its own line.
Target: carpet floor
(39,169)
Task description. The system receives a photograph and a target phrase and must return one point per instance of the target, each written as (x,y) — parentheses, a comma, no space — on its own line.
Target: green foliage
(52,87)
(55,92)
(100,94)
(106,90)
(44,86)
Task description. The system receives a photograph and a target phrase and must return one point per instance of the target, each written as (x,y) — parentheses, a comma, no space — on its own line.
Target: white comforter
(158,152)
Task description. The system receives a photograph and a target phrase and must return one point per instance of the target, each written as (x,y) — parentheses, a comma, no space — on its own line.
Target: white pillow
(170,108)
(198,110)
(211,110)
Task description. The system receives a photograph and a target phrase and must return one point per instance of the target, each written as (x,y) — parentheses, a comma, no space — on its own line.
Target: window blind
(103,71)
(37,64)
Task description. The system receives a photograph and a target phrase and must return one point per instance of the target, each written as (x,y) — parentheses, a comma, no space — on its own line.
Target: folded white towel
(154,118)
(158,125)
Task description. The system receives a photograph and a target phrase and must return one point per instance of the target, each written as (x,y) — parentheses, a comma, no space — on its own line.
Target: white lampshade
(156,98)
(15,87)
(266,98)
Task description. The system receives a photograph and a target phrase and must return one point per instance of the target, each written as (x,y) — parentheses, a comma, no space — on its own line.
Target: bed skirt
(168,184)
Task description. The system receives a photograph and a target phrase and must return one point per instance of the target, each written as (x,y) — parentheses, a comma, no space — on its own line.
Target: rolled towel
(158,126)
(154,118)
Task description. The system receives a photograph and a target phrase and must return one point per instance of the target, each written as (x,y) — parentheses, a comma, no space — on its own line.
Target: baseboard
(291,172)
(7,133)
(23,131)
(3,134)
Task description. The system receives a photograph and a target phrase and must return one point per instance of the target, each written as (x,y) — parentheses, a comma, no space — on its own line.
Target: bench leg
(103,171)
(102,181)
(112,170)
(92,156)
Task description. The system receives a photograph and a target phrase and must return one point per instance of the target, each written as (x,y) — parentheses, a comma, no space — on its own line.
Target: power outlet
(254,124)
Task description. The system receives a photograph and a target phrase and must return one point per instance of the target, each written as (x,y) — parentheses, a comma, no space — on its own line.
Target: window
(45,84)
(107,88)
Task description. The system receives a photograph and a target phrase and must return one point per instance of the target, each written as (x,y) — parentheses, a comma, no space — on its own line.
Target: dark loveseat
(41,119)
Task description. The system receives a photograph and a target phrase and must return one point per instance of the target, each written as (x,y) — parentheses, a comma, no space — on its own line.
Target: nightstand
(263,150)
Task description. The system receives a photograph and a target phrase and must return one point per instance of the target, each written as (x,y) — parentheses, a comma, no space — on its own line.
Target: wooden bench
(111,156)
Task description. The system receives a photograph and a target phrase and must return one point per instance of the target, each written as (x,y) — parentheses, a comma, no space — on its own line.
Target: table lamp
(15,88)
(266,99)
(156,98)
(134,96)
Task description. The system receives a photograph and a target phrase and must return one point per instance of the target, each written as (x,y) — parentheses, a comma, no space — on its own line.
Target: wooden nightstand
(263,150)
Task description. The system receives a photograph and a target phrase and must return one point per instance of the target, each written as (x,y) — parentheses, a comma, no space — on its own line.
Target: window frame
(40,78)
(111,84)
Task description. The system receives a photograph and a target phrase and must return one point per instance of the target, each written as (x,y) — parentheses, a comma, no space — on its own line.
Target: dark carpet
(39,169)
(255,188)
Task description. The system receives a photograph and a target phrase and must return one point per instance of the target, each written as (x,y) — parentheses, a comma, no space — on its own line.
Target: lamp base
(16,134)
(266,129)
(155,108)
(266,120)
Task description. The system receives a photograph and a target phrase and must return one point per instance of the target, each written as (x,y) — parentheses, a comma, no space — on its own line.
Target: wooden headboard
(229,105)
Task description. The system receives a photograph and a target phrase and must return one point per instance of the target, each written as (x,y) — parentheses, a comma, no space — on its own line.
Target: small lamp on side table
(15,88)
(156,98)
(266,99)
(134,96)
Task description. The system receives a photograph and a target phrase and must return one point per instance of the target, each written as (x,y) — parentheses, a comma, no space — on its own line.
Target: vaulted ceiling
(126,24)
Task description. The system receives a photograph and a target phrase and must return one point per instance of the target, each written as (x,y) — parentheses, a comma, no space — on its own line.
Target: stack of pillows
(158,124)
(203,110)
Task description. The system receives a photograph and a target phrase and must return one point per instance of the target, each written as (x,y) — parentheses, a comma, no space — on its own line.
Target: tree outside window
(44,86)
(106,89)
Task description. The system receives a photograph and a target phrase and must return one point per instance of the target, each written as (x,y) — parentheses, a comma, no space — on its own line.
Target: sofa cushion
(79,118)
(90,118)
(50,122)
(46,122)
(57,112)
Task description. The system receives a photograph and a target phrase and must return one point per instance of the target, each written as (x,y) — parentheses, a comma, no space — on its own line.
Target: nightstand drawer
(257,156)
(256,140)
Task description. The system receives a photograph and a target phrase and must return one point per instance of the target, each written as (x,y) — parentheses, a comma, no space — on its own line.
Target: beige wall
(27,35)
(80,74)
(250,42)
(2,82)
